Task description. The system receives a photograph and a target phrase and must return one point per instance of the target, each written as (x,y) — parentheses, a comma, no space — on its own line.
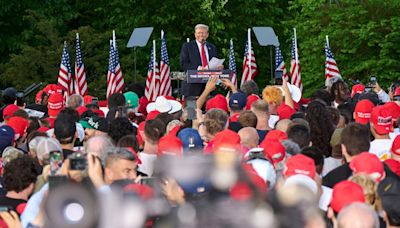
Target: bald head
(283,125)
(248,137)
(358,215)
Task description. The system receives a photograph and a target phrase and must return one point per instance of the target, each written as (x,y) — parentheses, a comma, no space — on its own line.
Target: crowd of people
(250,158)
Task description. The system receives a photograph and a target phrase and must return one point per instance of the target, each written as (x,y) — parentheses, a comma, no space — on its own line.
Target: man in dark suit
(195,55)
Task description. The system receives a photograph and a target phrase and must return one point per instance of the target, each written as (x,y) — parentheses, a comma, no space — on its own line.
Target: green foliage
(364,35)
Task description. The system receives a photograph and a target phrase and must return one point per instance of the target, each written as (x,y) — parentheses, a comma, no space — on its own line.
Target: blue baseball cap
(190,139)
(237,101)
(6,137)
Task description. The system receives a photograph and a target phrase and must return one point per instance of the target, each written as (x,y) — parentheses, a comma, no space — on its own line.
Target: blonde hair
(369,187)
(198,26)
(272,94)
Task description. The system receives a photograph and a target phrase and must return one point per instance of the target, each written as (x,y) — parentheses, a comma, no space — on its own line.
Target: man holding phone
(382,95)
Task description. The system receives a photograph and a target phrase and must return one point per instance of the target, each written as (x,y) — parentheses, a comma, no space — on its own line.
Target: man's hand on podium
(202,68)
(220,67)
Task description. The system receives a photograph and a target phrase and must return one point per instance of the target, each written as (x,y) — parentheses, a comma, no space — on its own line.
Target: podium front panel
(202,76)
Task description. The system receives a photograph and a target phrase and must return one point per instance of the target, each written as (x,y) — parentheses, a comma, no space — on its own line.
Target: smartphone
(278,77)
(150,181)
(5,208)
(77,161)
(372,80)
(95,101)
(56,161)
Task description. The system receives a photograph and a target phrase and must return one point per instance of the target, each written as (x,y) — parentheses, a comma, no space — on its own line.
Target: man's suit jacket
(190,59)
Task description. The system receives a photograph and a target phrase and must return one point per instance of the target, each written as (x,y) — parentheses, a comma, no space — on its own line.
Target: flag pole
(113,40)
(162,33)
(154,56)
(187,40)
(327,40)
(295,44)
(249,50)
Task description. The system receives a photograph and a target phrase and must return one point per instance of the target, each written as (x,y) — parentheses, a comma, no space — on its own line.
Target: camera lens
(73,212)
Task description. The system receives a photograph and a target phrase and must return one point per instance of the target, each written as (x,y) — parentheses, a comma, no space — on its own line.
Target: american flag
(249,70)
(119,83)
(280,63)
(110,73)
(80,75)
(165,77)
(153,77)
(115,80)
(232,63)
(331,68)
(295,64)
(65,80)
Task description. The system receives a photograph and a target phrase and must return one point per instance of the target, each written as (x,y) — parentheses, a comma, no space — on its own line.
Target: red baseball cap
(170,145)
(358,88)
(285,111)
(219,101)
(381,118)
(251,99)
(345,193)
(394,108)
(43,129)
(362,112)
(274,150)
(299,164)
(152,115)
(52,89)
(226,139)
(81,110)
(394,165)
(99,112)
(87,99)
(9,110)
(143,102)
(396,146)
(369,164)
(55,104)
(276,134)
(242,191)
(19,124)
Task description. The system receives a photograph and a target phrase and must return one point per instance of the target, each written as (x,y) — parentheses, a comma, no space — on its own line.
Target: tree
(363,36)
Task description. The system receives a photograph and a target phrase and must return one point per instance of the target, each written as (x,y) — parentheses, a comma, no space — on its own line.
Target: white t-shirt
(393,134)
(147,165)
(330,164)
(272,121)
(381,148)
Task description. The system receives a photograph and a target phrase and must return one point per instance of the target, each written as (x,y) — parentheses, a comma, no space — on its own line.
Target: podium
(202,76)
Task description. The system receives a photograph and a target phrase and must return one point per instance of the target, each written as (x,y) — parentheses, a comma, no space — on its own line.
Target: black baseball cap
(389,192)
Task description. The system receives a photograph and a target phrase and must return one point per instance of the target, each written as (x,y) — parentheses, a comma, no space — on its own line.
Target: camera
(278,77)
(77,161)
(95,101)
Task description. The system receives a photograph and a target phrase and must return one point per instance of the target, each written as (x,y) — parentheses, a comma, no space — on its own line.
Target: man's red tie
(203,56)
